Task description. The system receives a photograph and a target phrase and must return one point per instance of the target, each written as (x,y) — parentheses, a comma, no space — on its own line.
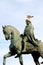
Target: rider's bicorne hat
(28,18)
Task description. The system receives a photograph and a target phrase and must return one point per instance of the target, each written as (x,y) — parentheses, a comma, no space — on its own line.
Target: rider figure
(29,31)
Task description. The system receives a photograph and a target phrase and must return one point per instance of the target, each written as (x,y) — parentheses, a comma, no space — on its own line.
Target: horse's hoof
(41,62)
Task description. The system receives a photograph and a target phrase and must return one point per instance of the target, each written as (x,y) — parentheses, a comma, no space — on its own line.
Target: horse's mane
(13,27)
(17,33)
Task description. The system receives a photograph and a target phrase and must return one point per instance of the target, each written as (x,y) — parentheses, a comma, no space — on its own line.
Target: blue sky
(14,12)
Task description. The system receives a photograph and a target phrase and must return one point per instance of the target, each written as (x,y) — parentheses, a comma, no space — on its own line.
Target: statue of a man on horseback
(24,43)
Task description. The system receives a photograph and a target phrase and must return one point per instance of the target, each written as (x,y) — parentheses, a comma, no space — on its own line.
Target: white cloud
(23,0)
(2,53)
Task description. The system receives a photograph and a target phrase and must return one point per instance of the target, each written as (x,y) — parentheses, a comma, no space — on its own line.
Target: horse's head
(10,31)
(6,32)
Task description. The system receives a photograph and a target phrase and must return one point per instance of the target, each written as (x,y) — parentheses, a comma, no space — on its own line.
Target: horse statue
(12,34)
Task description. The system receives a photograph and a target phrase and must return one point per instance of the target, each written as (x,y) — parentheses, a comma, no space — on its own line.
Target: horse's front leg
(6,56)
(21,60)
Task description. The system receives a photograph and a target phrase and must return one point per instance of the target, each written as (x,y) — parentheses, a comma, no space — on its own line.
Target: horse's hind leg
(41,54)
(6,56)
(36,61)
(35,56)
(21,60)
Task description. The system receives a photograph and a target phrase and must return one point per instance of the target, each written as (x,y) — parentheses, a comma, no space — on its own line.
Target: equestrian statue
(25,43)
